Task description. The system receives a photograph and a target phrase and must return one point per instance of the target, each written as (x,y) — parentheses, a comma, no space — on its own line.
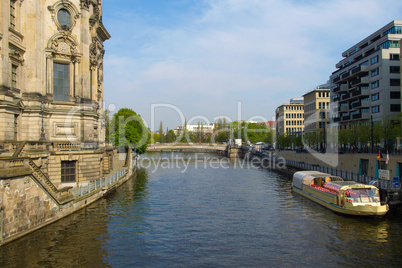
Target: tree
(161,132)
(363,134)
(221,137)
(129,130)
(170,136)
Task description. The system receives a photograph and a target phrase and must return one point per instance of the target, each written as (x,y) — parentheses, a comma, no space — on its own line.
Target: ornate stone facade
(35,37)
(51,86)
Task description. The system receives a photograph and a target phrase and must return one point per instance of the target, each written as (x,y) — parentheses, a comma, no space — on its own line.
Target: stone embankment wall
(29,202)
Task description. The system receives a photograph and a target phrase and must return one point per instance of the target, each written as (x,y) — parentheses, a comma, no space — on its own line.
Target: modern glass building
(367,82)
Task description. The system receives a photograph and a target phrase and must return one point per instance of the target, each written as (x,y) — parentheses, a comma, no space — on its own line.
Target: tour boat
(332,192)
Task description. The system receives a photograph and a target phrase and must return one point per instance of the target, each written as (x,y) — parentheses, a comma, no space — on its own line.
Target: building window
(374,60)
(394,30)
(14,76)
(395,94)
(375,84)
(61,82)
(375,109)
(394,69)
(374,72)
(64,18)
(12,13)
(395,82)
(388,44)
(395,108)
(68,169)
(375,97)
(393,56)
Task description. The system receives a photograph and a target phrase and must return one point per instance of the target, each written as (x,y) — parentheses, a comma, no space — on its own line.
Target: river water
(208,213)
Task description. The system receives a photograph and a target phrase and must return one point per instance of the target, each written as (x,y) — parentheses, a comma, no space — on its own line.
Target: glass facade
(388,44)
(394,30)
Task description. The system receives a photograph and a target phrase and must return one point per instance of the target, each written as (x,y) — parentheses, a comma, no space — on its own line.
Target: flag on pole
(379,155)
(387,161)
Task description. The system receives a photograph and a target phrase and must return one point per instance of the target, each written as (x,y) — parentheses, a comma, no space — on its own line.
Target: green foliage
(252,132)
(283,141)
(161,137)
(221,137)
(170,137)
(129,130)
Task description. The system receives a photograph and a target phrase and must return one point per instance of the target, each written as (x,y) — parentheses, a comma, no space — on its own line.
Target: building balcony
(345,75)
(346,118)
(346,96)
(336,79)
(361,104)
(364,116)
(361,70)
(344,88)
(336,98)
(344,109)
(360,81)
(336,89)
(337,119)
(361,92)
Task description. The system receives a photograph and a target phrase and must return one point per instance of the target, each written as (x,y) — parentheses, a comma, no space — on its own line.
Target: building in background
(316,116)
(206,129)
(367,82)
(51,87)
(290,118)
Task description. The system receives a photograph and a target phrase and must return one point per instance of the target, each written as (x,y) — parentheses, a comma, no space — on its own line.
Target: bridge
(186,147)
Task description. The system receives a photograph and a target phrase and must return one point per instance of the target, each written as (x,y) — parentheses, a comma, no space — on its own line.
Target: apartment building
(290,118)
(316,109)
(367,81)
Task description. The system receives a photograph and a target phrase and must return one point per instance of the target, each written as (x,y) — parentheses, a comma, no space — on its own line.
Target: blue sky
(201,59)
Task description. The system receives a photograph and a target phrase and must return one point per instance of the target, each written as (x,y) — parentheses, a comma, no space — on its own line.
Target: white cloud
(261,52)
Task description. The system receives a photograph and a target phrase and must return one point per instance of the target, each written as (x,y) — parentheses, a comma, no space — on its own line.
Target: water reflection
(63,244)
(209,217)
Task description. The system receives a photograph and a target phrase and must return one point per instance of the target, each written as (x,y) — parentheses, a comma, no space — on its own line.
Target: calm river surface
(199,215)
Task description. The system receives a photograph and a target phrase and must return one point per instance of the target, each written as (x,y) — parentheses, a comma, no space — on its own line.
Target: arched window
(64,18)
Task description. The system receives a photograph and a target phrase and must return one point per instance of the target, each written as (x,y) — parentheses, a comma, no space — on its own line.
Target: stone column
(49,74)
(94,83)
(72,83)
(76,91)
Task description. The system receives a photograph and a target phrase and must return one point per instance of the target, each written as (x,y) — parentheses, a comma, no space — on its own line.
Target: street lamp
(42,134)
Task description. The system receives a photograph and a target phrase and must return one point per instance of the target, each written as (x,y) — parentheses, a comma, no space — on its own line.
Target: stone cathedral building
(51,89)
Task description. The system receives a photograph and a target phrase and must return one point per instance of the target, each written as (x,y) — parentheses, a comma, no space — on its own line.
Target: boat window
(364,195)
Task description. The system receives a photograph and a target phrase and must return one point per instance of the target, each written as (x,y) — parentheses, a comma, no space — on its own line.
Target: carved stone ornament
(63,44)
(96,52)
(85,3)
(16,54)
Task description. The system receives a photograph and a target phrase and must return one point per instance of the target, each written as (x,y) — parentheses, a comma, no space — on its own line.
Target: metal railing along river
(96,184)
(348,175)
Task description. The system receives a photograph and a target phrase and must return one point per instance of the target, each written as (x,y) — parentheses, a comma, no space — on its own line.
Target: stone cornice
(102,32)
